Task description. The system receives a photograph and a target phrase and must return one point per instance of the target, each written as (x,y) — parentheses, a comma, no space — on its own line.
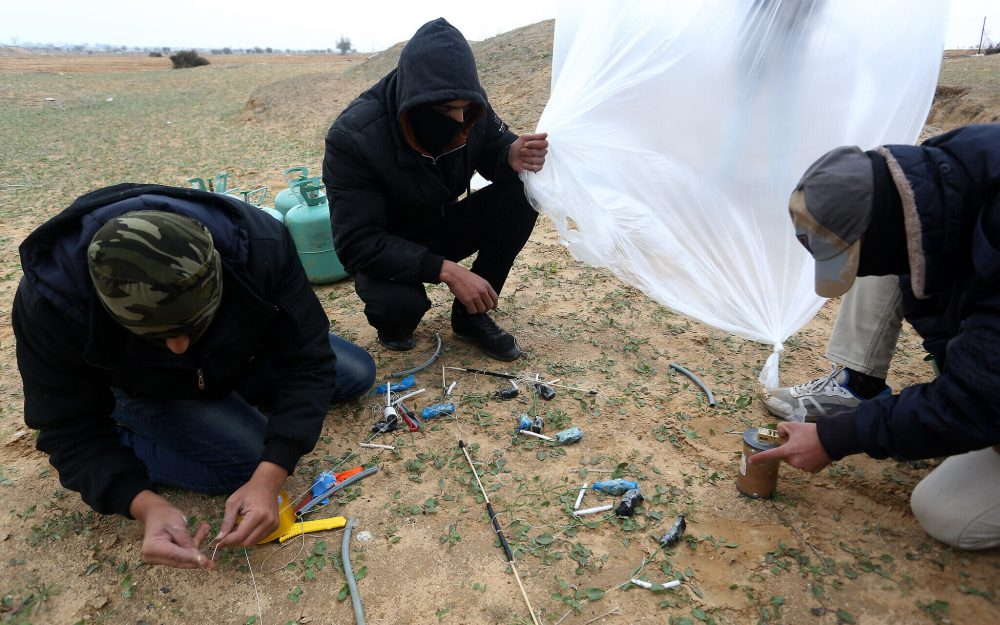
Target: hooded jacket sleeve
(70,404)
(304,364)
(491,162)
(359,214)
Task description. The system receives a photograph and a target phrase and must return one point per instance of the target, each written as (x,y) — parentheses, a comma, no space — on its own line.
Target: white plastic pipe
(648,585)
(594,510)
(536,435)
(579,497)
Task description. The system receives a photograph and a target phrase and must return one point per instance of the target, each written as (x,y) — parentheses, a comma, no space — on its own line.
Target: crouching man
(169,337)
(929,214)
(397,160)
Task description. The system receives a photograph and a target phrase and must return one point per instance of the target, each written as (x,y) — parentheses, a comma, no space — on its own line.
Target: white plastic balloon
(678,129)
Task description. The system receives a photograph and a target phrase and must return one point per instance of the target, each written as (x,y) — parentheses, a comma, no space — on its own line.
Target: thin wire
(260,611)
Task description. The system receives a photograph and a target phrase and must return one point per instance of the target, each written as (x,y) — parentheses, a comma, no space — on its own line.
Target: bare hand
(527,153)
(252,511)
(471,289)
(166,540)
(802,448)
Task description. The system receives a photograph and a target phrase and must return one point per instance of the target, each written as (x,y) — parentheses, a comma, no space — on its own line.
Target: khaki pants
(868,324)
(958,503)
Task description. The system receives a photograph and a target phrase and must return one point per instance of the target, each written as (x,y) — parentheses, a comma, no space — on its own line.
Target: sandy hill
(514,68)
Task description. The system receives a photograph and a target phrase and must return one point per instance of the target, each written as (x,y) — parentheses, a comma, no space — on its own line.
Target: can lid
(751,439)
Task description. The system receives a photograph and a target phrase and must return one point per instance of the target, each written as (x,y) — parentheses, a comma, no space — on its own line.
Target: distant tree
(165,50)
(992,49)
(227,50)
(156,54)
(187,58)
(344,45)
(269,50)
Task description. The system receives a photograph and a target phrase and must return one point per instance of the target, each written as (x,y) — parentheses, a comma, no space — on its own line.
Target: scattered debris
(615,487)
(593,510)
(630,500)
(430,361)
(437,410)
(406,383)
(696,380)
(536,435)
(352,585)
(569,436)
(499,531)
(509,393)
(674,533)
(579,496)
(641,583)
(377,446)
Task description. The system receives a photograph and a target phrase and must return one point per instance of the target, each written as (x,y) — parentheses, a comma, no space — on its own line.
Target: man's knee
(355,369)
(391,304)
(953,513)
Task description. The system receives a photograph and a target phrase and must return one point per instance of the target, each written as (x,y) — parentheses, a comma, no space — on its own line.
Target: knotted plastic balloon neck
(769,374)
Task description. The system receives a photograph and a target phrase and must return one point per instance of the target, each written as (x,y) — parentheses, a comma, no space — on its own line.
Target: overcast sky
(304,24)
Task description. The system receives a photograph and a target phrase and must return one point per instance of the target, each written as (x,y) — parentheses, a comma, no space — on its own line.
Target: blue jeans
(213,446)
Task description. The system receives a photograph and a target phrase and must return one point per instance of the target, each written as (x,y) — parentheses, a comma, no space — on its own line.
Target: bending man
(170,337)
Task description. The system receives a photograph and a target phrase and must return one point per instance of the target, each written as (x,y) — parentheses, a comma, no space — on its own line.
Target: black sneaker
(488,336)
(396,344)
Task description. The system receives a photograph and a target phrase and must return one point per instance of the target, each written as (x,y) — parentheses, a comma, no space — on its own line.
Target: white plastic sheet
(678,129)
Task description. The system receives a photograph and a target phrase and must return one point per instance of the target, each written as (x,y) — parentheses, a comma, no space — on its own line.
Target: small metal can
(757,480)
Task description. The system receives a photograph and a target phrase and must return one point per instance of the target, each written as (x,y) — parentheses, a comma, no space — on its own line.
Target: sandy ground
(838,547)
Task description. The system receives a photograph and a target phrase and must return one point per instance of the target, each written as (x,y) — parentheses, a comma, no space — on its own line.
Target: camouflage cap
(157,273)
(831,208)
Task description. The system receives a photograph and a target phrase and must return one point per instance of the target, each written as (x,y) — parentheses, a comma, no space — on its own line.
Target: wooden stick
(499,532)
(597,618)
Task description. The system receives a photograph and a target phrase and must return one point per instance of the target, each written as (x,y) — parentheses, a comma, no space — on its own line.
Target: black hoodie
(387,195)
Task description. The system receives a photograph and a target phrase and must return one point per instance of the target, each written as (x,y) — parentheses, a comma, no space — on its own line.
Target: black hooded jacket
(949,190)
(70,352)
(387,196)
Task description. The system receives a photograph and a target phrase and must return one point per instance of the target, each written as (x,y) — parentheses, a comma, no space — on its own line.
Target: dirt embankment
(514,68)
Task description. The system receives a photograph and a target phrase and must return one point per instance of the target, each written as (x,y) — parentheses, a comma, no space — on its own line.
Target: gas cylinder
(289,198)
(309,225)
(257,197)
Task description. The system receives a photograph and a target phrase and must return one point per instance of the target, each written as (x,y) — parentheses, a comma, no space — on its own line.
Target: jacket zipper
(201,379)
(434,161)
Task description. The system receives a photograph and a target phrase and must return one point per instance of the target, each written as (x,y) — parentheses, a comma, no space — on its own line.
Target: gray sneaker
(826,396)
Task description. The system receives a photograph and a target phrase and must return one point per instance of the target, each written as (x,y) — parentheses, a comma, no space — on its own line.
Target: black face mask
(433,131)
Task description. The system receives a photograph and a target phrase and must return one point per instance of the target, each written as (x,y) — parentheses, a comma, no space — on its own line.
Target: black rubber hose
(696,380)
(418,368)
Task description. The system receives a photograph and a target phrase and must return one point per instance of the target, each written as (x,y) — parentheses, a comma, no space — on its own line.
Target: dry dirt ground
(838,547)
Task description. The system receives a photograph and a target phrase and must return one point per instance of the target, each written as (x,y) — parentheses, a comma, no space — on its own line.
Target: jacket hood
(949,189)
(437,65)
(54,256)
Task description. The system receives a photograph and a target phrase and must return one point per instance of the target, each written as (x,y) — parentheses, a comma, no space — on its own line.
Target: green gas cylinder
(257,197)
(309,225)
(288,198)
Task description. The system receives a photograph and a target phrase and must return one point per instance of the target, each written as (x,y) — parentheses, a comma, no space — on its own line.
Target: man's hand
(166,539)
(472,290)
(252,511)
(802,448)
(527,153)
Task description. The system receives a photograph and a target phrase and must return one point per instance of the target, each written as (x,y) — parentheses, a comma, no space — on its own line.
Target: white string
(260,611)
